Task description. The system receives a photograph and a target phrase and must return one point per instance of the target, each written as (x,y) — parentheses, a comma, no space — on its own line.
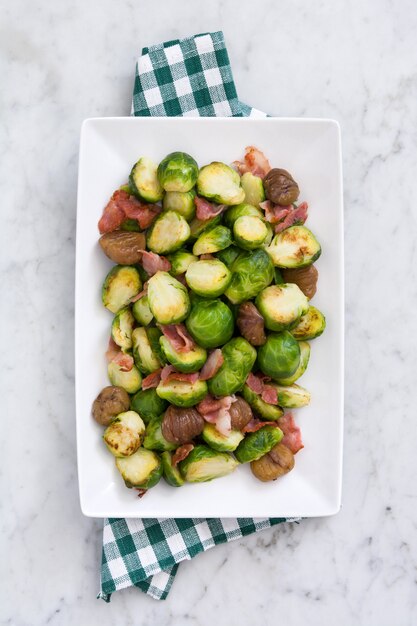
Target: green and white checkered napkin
(185,77)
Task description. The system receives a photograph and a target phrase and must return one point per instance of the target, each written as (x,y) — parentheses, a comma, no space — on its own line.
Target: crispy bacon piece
(216,411)
(254,161)
(269,394)
(152,263)
(206,210)
(256,424)
(181,453)
(178,337)
(166,371)
(212,365)
(121,206)
(169,373)
(114,354)
(297,215)
(257,384)
(152,380)
(140,294)
(292,433)
(251,324)
(274,213)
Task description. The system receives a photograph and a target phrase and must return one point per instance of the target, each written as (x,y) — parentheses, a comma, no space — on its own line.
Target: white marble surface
(355,61)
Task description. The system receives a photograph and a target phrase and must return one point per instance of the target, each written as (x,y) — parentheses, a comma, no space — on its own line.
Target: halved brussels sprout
(269,412)
(168,233)
(178,172)
(219,442)
(208,278)
(281,306)
(154,439)
(180,261)
(120,285)
(220,183)
(250,232)
(258,443)
(213,240)
(253,188)
(141,470)
(199,226)
(146,359)
(279,357)
(251,272)
(241,210)
(239,357)
(186,362)
(121,328)
(210,323)
(293,396)
(130,381)
(181,202)
(171,473)
(304,358)
(310,325)
(229,255)
(269,236)
(294,247)
(168,298)
(148,404)
(125,434)
(143,181)
(141,311)
(182,393)
(203,464)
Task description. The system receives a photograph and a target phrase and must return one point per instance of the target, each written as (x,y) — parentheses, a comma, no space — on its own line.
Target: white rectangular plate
(310,149)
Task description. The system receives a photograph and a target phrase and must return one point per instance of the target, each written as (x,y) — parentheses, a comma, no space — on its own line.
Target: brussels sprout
(269,236)
(130,225)
(144,276)
(141,470)
(310,325)
(219,442)
(293,396)
(121,328)
(154,439)
(279,357)
(281,306)
(258,443)
(239,357)
(278,279)
(126,188)
(146,360)
(208,278)
(253,188)
(125,434)
(120,285)
(212,240)
(294,247)
(266,411)
(304,358)
(220,183)
(182,393)
(203,464)
(141,311)
(186,362)
(171,473)
(229,255)
(178,172)
(148,404)
(241,210)
(168,298)
(182,203)
(130,381)
(249,232)
(200,226)
(168,233)
(180,261)
(210,323)
(143,181)
(251,272)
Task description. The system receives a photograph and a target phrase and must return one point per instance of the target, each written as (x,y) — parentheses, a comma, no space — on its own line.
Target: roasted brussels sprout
(148,404)
(294,247)
(130,381)
(220,183)
(279,357)
(251,272)
(253,188)
(141,311)
(278,461)
(141,470)
(265,411)
(180,261)
(249,232)
(182,393)
(208,278)
(302,366)
(281,306)
(269,236)
(110,402)
(143,181)
(124,434)
(200,226)
(305,277)
(186,362)
(178,172)
(203,464)
(181,202)
(280,187)
(154,439)
(210,323)
(212,240)
(219,442)
(241,210)
(171,473)
(168,299)
(146,359)
(239,357)
(180,426)
(168,233)
(256,444)
(125,248)
(310,325)
(229,255)
(121,329)
(293,396)
(120,285)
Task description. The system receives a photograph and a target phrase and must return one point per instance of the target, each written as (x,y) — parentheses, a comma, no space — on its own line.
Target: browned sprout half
(278,461)
(280,187)
(305,277)
(240,414)
(123,247)
(110,402)
(181,425)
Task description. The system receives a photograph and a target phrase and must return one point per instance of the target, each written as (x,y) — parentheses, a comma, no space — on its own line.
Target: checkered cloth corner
(185,77)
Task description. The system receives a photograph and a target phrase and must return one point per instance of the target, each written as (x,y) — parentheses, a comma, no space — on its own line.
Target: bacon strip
(298,215)
(178,337)
(181,453)
(205,210)
(140,295)
(169,373)
(255,424)
(121,206)
(256,383)
(212,365)
(254,161)
(292,433)
(274,213)
(114,354)
(152,263)
(152,380)
(216,411)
